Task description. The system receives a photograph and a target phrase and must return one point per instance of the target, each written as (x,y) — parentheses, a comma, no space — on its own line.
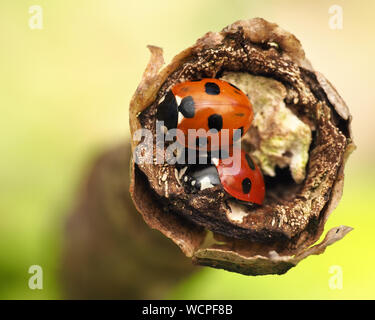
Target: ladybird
(201,177)
(246,184)
(206,104)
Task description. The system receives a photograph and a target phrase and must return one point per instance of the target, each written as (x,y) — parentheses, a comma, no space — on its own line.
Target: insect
(206,104)
(245,184)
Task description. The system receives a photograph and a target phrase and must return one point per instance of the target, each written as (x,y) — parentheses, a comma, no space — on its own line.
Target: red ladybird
(206,104)
(244,183)
(247,183)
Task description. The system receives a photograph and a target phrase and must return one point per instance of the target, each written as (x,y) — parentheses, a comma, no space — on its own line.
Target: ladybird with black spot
(247,184)
(206,104)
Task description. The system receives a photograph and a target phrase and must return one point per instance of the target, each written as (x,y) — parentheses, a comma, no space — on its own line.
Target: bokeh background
(64,95)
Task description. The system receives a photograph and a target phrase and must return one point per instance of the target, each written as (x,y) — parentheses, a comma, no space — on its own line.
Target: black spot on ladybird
(250,162)
(187,107)
(215,121)
(246,185)
(212,88)
(167,111)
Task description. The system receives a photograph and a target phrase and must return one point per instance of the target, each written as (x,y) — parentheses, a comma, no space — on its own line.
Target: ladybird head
(201,177)
(167,110)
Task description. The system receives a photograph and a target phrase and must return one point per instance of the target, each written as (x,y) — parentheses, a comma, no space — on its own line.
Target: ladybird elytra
(209,105)
(247,184)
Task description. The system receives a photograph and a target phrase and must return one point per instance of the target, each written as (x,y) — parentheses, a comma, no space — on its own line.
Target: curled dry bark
(272,238)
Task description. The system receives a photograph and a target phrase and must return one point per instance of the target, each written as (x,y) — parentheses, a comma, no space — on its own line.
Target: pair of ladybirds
(214,104)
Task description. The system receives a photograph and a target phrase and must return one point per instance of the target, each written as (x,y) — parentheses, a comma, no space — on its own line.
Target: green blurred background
(64,95)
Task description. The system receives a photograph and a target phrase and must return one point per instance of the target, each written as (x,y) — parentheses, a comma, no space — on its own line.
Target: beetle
(209,104)
(246,184)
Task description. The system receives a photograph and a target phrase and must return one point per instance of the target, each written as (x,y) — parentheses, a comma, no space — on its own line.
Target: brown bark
(275,236)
